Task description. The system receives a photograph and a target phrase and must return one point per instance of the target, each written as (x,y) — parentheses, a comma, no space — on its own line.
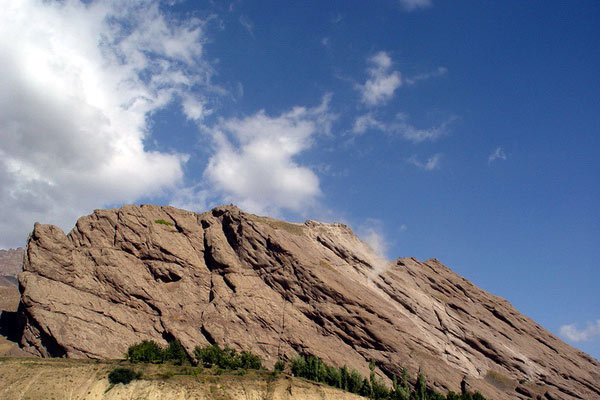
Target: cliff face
(279,289)
(11,263)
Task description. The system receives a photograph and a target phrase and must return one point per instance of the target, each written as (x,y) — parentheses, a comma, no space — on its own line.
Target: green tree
(279,366)
(365,389)
(176,352)
(252,361)
(147,351)
(421,387)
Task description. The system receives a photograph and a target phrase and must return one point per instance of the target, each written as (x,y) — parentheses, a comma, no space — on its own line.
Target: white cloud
(195,109)
(382,82)
(254,165)
(572,333)
(411,5)
(416,135)
(421,77)
(430,164)
(497,154)
(400,127)
(366,122)
(247,24)
(371,232)
(192,198)
(78,82)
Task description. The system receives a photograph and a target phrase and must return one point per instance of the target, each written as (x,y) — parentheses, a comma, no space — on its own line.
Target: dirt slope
(38,379)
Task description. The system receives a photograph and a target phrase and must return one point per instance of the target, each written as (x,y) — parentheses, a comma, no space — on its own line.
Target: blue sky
(467,131)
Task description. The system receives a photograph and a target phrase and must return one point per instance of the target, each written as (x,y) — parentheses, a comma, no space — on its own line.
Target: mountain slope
(279,288)
(56,379)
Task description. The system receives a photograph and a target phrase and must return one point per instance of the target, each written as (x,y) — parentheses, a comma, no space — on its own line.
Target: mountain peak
(279,289)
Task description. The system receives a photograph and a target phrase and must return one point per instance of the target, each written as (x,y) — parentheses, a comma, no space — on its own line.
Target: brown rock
(11,263)
(279,289)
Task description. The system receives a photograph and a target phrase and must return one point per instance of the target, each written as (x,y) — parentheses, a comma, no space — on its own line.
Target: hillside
(279,289)
(39,379)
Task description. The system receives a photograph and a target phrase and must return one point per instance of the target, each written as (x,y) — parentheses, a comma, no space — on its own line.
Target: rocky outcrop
(278,288)
(11,263)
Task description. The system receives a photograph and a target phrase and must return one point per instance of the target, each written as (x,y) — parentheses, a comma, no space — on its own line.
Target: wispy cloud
(497,154)
(573,334)
(371,232)
(441,71)
(366,122)
(410,5)
(247,24)
(382,81)
(430,164)
(401,127)
(93,72)
(253,165)
(418,135)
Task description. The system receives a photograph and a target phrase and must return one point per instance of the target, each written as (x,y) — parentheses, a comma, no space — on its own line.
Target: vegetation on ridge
(307,367)
(314,369)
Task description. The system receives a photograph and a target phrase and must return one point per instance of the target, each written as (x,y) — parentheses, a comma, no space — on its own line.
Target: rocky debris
(278,289)
(11,263)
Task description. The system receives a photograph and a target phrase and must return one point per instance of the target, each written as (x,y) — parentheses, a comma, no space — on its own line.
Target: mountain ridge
(279,288)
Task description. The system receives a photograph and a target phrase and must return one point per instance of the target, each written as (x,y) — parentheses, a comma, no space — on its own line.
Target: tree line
(307,367)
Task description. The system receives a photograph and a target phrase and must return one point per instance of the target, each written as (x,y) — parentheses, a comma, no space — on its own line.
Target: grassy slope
(47,379)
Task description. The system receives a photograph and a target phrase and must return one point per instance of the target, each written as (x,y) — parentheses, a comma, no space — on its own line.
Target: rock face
(11,263)
(278,289)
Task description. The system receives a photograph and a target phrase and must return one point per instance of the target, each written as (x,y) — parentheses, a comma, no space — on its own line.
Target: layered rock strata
(279,289)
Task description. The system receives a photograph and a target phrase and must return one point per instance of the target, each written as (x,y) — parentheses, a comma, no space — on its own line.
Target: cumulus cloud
(576,335)
(411,5)
(382,81)
(254,163)
(78,82)
(497,154)
(430,164)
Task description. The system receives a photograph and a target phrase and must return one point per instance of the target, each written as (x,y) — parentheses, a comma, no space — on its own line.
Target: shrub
(250,361)
(163,222)
(123,375)
(226,358)
(147,351)
(176,353)
(279,366)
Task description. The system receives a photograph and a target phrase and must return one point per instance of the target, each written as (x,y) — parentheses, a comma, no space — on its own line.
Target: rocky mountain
(278,289)
(11,263)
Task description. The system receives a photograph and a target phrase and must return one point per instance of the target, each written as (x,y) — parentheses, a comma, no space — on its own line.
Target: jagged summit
(278,289)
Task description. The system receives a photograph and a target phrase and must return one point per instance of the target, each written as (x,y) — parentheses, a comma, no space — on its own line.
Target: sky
(464,130)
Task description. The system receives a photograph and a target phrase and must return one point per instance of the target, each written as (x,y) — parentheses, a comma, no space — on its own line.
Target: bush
(176,353)
(250,361)
(123,375)
(226,358)
(148,351)
(279,366)
(163,222)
